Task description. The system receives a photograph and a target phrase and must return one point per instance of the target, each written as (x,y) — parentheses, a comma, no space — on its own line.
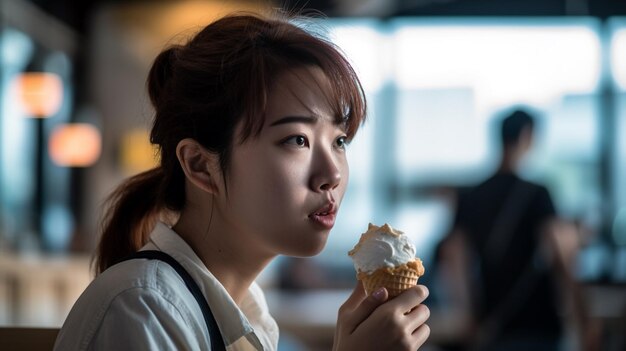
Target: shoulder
(542,206)
(144,288)
(138,276)
(539,190)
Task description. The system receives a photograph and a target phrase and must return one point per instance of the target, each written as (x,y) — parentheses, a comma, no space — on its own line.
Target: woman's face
(285,186)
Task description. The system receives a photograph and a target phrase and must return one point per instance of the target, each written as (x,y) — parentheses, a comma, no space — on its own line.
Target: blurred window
(18,148)
(435,87)
(618,67)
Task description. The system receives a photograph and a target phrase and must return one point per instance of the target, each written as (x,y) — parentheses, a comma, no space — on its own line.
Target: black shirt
(499,267)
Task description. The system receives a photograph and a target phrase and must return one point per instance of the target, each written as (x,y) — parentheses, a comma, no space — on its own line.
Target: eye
(341,142)
(297,140)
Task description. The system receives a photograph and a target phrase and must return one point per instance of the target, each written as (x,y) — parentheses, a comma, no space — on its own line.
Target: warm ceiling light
(75,145)
(39,93)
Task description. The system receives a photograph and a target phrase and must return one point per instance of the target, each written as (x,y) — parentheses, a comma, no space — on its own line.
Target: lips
(325,216)
(329,208)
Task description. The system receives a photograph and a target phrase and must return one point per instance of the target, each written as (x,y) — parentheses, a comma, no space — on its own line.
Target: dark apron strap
(217,343)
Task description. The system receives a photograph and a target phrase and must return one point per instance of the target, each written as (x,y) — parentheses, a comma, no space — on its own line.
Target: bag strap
(503,229)
(217,343)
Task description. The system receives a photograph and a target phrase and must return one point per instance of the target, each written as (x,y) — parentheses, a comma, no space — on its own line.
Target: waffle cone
(395,280)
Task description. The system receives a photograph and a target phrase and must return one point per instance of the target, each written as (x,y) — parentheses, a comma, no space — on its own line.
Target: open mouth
(327,210)
(325,216)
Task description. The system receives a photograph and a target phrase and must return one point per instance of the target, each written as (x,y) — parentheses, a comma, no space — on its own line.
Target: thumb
(362,306)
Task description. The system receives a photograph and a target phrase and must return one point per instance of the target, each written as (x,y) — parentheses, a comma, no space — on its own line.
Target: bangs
(277,54)
(346,97)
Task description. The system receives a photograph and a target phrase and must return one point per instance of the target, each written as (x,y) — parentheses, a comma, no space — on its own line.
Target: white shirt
(144,305)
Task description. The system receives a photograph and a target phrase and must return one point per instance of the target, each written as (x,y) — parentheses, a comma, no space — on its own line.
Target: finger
(417,317)
(421,335)
(365,308)
(410,298)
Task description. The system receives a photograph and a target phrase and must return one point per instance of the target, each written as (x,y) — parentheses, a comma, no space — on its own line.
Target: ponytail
(130,214)
(132,210)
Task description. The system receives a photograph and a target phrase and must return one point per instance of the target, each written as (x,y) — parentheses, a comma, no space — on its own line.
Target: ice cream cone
(395,280)
(385,257)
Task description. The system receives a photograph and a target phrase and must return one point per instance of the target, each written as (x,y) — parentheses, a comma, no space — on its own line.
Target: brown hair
(203,90)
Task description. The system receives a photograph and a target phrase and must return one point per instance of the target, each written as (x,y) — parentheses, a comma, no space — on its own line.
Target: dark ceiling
(77,13)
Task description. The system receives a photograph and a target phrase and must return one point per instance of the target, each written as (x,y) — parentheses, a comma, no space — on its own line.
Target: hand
(373,323)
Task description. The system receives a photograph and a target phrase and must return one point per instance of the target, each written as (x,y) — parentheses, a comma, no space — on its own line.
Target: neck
(506,166)
(231,260)
(508,163)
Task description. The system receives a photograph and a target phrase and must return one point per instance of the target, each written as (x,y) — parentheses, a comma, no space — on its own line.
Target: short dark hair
(513,125)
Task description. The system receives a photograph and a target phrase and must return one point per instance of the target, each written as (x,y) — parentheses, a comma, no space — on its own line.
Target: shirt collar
(231,320)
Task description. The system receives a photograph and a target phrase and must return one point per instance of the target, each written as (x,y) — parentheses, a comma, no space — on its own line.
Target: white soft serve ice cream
(382,247)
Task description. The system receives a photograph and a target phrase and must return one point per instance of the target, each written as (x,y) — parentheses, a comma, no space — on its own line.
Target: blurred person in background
(252,119)
(509,258)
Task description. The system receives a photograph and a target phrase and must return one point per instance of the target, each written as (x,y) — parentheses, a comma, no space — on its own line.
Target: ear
(200,166)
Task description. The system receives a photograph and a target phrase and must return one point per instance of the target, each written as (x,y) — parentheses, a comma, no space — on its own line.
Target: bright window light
(618,57)
(364,45)
(453,77)
(503,64)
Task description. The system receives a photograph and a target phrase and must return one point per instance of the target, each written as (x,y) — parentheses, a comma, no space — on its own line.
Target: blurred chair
(32,339)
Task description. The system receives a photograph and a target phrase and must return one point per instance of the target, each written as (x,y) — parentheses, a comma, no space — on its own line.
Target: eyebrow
(295,119)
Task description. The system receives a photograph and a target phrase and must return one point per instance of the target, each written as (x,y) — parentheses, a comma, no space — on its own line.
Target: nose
(326,172)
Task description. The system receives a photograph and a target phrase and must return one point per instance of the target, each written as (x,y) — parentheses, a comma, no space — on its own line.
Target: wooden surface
(32,339)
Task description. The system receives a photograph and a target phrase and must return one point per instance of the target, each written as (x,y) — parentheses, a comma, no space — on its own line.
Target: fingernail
(379,294)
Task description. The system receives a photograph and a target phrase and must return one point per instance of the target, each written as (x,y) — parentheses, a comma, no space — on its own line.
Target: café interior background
(436,73)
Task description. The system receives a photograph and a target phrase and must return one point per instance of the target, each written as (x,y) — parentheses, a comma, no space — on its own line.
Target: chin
(308,249)
(315,251)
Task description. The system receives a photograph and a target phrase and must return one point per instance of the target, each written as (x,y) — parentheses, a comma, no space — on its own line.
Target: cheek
(266,184)
(286,183)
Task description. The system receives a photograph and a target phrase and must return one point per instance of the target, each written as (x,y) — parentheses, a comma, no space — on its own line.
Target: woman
(252,119)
